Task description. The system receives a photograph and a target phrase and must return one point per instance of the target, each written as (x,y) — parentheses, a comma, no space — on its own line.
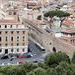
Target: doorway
(6,51)
(54,49)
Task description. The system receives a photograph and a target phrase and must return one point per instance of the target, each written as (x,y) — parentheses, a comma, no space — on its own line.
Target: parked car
(5,57)
(22,62)
(35,61)
(12,58)
(25,55)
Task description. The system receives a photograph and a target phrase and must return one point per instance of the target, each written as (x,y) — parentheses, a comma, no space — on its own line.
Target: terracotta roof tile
(69,31)
(68,23)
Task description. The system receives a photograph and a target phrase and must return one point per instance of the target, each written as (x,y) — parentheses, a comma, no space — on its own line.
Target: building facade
(13,37)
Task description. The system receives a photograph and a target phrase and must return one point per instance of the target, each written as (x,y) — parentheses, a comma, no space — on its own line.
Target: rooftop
(68,22)
(9,20)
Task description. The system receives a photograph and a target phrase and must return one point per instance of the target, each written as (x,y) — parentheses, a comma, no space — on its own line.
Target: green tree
(51,71)
(73,58)
(20,71)
(28,67)
(31,73)
(62,68)
(40,71)
(54,59)
(65,68)
(57,13)
(43,65)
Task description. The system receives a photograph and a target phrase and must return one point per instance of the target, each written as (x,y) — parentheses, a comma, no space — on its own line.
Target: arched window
(54,49)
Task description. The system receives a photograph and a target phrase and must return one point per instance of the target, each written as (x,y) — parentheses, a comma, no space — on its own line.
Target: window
(11,44)
(23,32)
(17,50)
(23,38)
(11,38)
(10,13)
(17,32)
(23,49)
(14,13)
(17,38)
(0,50)
(5,26)
(6,38)
(23,44)
(0,26)
(0,44)
(17,44)
(11,26)
(6,32)
(11,50)
(50,43)
(11,32)
(0,32)
(0,39)
(6,44)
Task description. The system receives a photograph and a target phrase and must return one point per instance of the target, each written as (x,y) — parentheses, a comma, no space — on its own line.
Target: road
(36,52)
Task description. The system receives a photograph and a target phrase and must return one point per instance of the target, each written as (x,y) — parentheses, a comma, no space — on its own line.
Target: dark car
(12,58)
(35,61)
(22,62)
(5,57)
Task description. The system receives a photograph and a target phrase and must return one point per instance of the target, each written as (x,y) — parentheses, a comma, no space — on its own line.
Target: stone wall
(48,41)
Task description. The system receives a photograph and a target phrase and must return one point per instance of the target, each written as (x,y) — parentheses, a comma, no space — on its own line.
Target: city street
(36,52)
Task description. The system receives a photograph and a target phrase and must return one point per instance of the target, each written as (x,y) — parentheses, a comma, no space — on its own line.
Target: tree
(8,70)
(31,73)
(50,14)
(51,71)
(29,67)
(43,65)
(19,71)
(73,58)
(40,71)
(62,68)
(54,59)
(57,13)
(65,68)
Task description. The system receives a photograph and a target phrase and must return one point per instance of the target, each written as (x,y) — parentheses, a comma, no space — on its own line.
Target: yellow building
(13,34)
(13,37)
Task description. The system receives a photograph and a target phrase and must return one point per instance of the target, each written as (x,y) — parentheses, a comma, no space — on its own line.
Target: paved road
(37,55)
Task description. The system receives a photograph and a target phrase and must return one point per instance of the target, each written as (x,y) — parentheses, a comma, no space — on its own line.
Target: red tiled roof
(68,23)
(69,31)
(73,4)
(73,15)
